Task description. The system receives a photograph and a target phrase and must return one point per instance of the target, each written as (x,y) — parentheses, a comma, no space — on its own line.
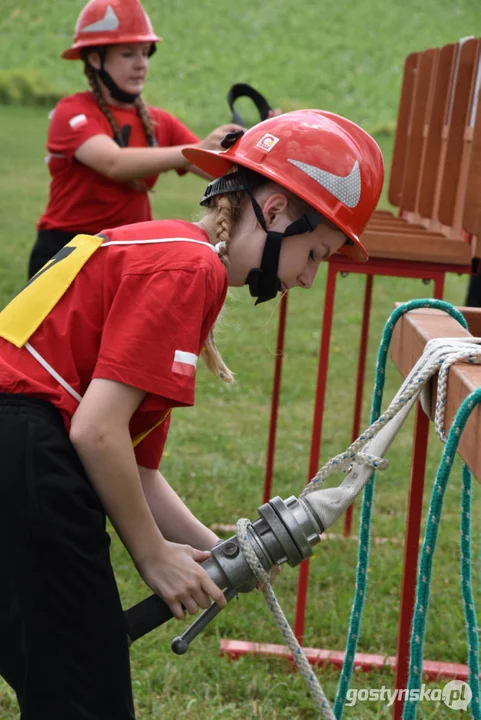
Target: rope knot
(372,461)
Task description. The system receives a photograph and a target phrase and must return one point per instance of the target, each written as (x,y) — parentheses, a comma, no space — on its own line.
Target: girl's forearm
(176,522)
(136,163)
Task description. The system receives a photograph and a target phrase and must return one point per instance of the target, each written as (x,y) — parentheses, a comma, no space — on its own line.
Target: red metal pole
(271,446)
(411,550)
(316,433)
(322,369)
(361,372)
(439,285)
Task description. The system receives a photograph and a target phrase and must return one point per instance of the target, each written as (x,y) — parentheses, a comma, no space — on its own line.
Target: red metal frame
(390,268)
(361,374)
(432,670)
(276,389)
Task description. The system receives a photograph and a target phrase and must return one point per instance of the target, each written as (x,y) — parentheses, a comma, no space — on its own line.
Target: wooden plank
(418,247)
(416,138)
(471,221)
(410,336)
(457,118)
(461,194)
(400,140)
(432,154)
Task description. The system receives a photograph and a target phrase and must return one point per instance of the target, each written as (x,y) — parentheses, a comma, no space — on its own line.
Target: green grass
(346,57)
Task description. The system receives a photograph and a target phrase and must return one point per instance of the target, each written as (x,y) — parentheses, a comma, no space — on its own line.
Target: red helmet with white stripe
(110,22)
(323,158)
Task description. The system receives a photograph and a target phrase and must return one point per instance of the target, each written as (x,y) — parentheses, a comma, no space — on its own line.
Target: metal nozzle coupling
(286,531)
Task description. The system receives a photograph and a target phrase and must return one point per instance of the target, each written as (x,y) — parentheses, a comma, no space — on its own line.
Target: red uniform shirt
(82,199)
(138,314)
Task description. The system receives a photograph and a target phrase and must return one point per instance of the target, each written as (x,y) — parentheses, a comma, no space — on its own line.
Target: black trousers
(63,641)
(47,244)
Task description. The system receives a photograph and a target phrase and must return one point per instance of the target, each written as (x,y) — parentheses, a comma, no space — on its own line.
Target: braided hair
(143,113)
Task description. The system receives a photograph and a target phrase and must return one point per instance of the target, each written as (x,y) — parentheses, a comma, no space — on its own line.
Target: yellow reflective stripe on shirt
(27,311)
(137,440)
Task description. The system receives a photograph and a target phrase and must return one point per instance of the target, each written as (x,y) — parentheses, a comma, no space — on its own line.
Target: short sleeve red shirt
(82,199)
(137,313)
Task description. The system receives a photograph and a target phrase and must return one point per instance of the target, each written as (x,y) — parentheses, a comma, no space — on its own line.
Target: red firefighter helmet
(323,158)
(110,22)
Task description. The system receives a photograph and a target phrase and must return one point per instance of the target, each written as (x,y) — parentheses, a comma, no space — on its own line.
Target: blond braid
(225,206)
(223,226)
(93,81)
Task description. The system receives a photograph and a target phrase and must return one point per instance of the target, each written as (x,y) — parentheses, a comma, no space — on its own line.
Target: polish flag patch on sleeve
(78,121)
(184,363)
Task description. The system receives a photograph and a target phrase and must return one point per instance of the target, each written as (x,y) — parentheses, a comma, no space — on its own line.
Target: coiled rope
(422,372)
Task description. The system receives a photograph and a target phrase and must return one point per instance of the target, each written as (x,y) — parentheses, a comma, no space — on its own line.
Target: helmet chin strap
(116,92)
(262,281)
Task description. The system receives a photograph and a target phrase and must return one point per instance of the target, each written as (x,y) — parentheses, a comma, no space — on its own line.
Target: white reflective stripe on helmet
(108,23)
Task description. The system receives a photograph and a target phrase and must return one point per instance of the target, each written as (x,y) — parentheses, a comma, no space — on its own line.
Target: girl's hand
(275,112)
(213,141)
(175,574)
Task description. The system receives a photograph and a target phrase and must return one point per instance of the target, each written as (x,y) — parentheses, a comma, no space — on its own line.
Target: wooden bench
(438,218)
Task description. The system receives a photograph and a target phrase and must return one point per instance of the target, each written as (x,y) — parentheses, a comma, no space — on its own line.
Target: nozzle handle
(145,616)
(180,644)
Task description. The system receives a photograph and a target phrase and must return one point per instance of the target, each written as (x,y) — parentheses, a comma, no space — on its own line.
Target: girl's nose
(306,278)
(142,60)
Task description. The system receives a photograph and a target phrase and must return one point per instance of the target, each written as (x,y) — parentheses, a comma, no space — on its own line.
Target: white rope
(282,623)
(469,355)
(436,353)
(439,355)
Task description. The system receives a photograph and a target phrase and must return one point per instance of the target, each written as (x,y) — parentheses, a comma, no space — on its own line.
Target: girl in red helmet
(106,148)
(97,350)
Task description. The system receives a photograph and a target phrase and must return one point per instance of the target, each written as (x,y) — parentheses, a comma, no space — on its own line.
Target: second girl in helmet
(106,147)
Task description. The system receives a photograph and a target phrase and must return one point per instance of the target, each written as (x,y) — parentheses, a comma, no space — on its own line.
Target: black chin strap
(263,282)
(116,92)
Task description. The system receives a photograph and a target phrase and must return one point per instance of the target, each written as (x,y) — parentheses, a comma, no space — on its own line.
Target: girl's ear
(275,205)
(93,59)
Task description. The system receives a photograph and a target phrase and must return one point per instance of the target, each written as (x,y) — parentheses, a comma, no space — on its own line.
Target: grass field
(347,58)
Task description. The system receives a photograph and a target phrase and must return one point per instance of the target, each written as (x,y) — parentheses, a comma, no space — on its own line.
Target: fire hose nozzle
(285,531)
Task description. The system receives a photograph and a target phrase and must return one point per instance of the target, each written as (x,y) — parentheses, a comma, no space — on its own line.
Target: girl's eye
(311,255)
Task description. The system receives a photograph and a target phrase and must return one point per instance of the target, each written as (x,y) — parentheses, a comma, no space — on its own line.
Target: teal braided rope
(467,592)
(425,571)
(367,501)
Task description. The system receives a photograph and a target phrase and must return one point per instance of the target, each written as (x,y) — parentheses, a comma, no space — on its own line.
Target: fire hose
(287,530)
